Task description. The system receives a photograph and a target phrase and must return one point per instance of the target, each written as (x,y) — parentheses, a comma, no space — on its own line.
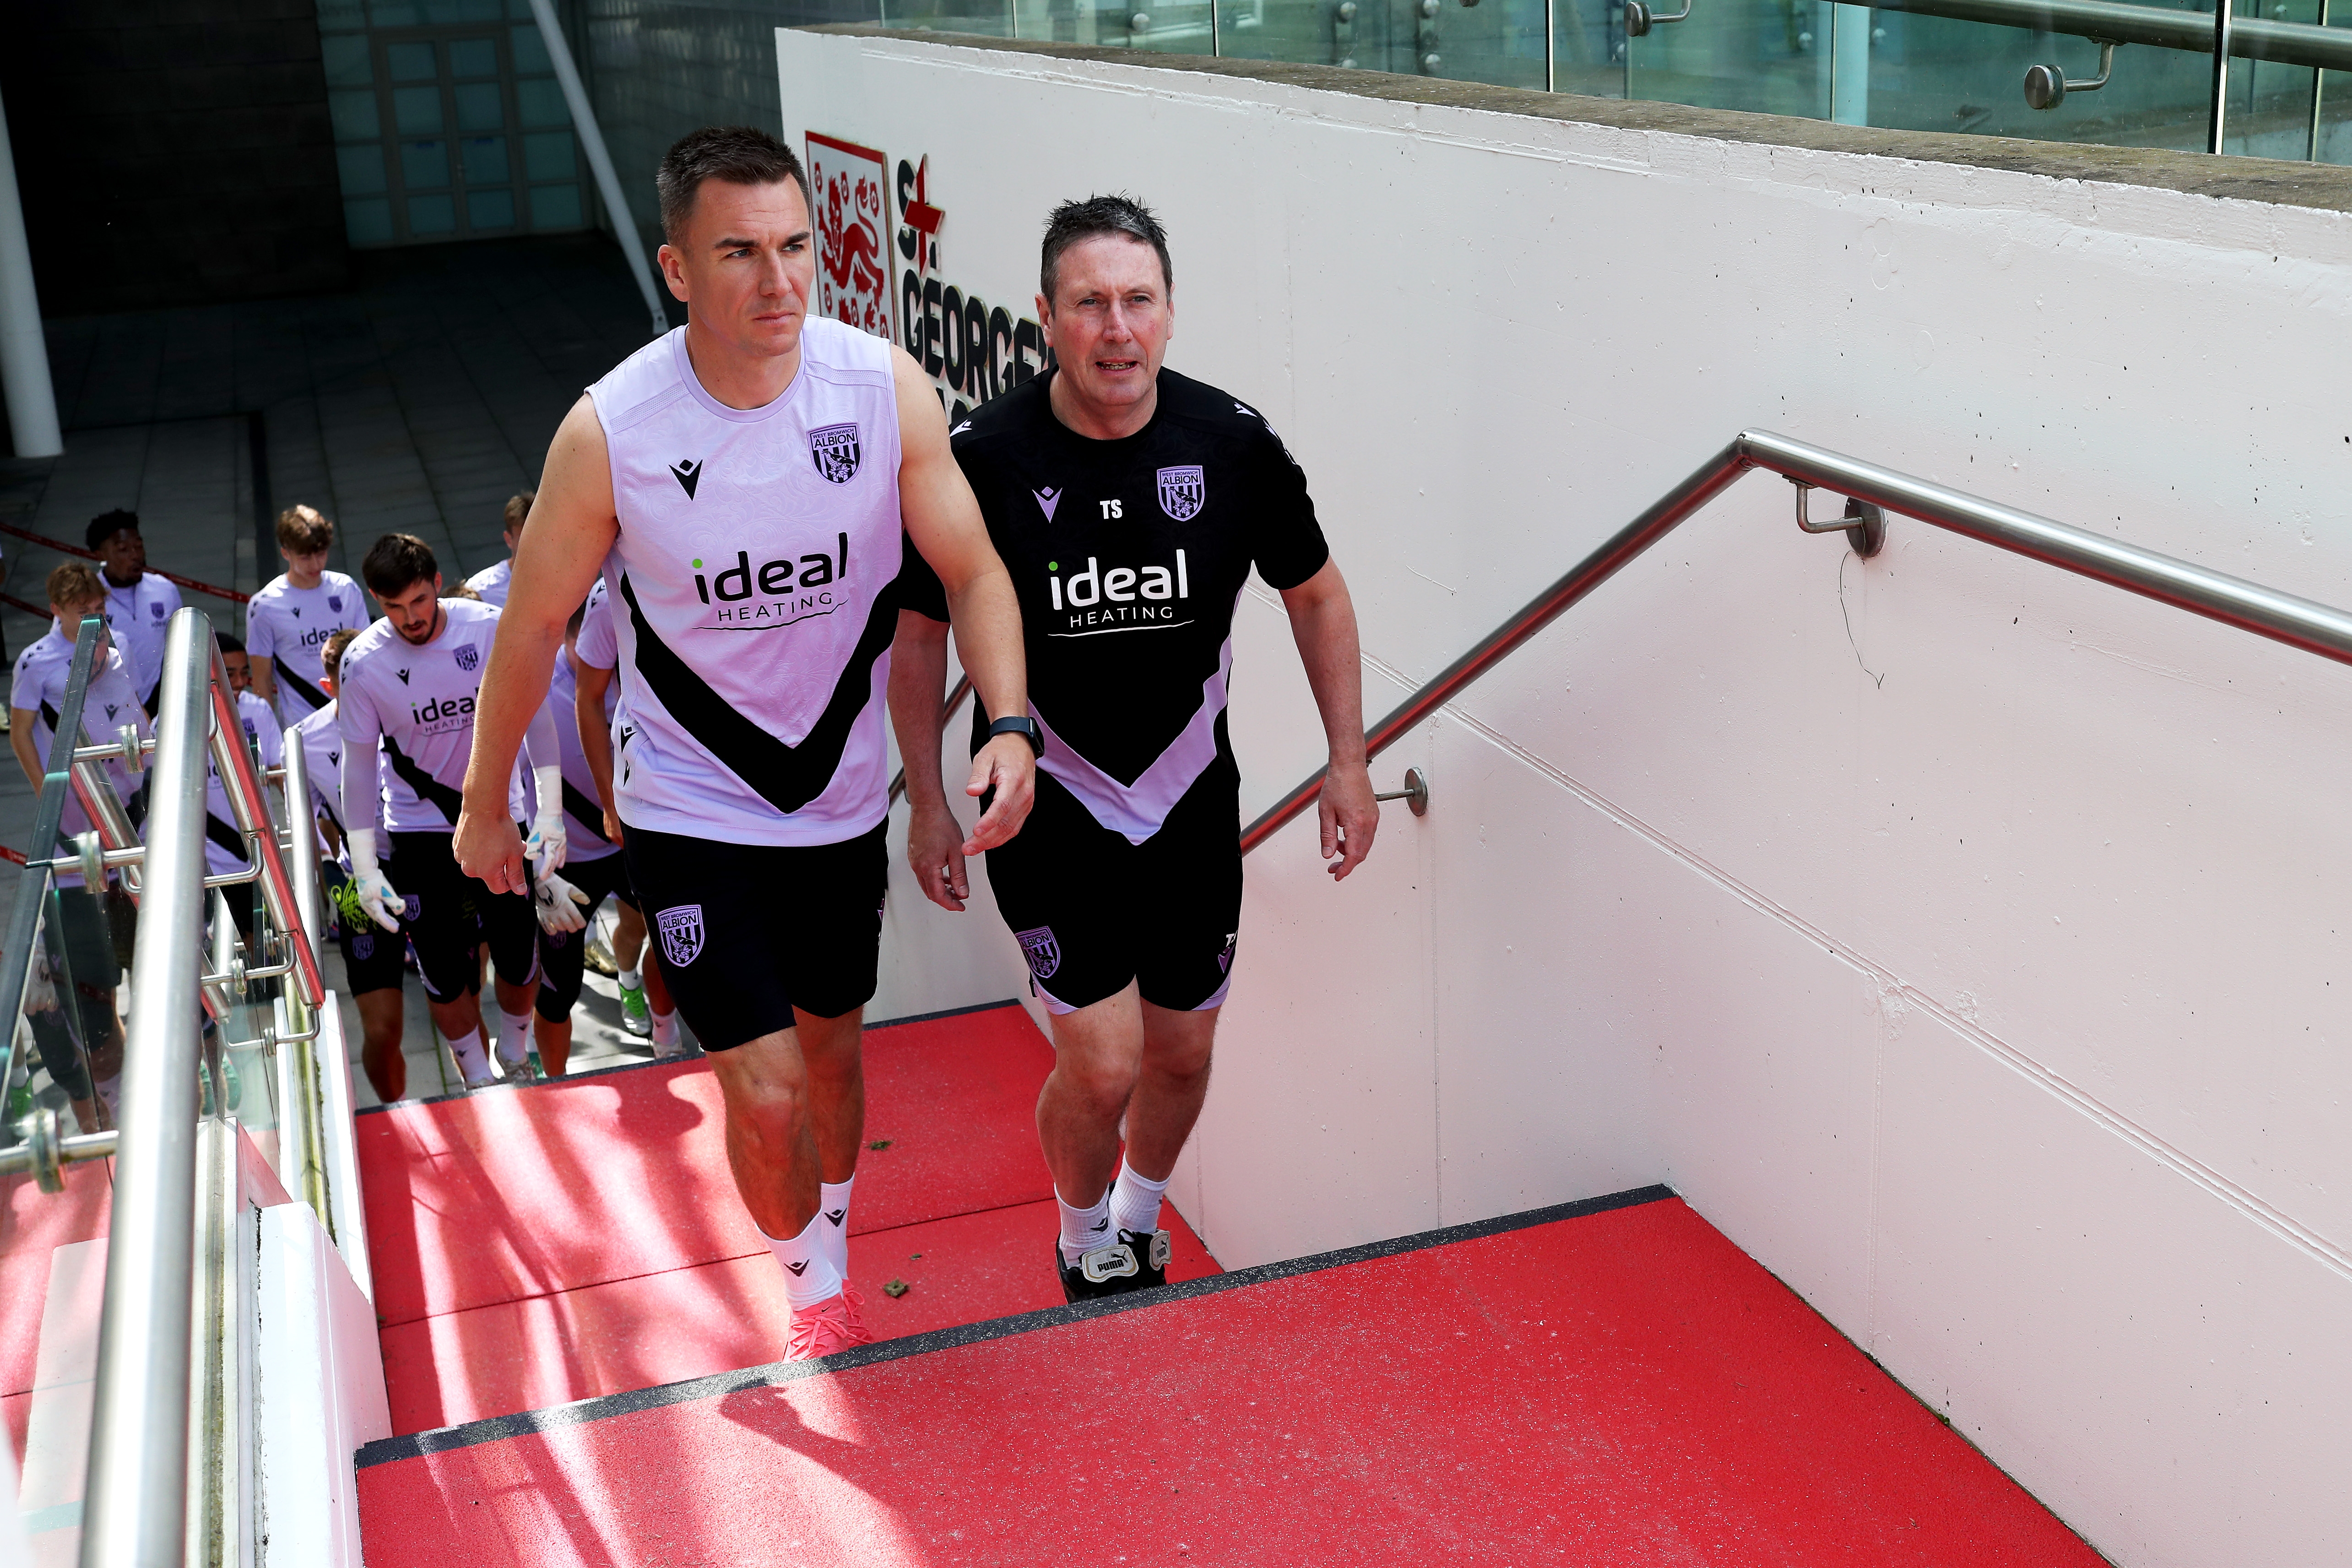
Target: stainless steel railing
(171,1362)
(2299,623)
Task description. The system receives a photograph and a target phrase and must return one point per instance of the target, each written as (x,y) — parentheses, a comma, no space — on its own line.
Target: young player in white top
(742,484)
(290,621)
(36,696)
(409,684)
(226,849)
(139,603)
(490,585)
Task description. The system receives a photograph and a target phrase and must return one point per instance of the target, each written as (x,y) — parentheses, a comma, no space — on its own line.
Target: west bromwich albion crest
(681,934)
(835,447)
(1182,491)
(1045,954)
(467,656)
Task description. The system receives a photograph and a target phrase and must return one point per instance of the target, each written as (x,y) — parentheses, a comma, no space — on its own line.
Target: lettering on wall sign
(973,350)
(850,186)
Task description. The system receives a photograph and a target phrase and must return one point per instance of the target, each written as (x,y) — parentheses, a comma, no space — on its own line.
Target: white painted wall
(318,1395)
(1958,937)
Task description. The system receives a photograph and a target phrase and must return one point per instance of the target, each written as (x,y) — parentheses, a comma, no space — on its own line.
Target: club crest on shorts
(411,907)
(1043,953)
(1183,492)
(469,658)
(681,934)
(363,946)
(835,447)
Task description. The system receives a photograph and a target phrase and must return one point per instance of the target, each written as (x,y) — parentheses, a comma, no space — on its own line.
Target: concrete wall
(1959,937)
(173,158)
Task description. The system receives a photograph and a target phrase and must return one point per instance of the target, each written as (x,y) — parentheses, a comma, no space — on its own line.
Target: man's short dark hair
(1097,215)
(397,562)
(106,525)
(739,154)
(229,642)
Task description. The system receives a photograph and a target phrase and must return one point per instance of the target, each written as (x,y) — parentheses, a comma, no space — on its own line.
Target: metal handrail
(137,1495)
(2283,617)
(2192,32)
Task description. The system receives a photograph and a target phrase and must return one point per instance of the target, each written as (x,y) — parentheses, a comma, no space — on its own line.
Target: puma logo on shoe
(797,1267)
(836,1215)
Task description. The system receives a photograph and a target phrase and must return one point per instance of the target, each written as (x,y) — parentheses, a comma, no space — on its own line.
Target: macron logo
(1047,500)
(403,676)
(835,1216)
(688,473)
(796,1267)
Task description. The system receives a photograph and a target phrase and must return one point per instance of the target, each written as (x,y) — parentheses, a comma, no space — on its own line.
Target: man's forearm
(595,740)
(919,679)
(1326,633)
(265,680)
(514,688)
(987,620)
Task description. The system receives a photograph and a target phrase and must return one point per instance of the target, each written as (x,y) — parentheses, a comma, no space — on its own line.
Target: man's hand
(1009,767)
(935,851)
(558,905)
(611,826)
(489,849)
(1349,818)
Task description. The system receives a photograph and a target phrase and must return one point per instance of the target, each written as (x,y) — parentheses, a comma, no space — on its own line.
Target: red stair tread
(519,1193)
(1624,1388)
(689,1322)
(36,1223)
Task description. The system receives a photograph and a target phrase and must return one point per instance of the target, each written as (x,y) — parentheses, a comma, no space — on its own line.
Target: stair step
(1605,1381)
(554,1242)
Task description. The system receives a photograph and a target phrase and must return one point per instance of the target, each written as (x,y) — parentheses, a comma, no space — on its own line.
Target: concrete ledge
(2324,187)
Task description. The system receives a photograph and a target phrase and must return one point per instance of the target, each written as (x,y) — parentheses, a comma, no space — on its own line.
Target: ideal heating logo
(439,715)
(1118,598)
(775,593)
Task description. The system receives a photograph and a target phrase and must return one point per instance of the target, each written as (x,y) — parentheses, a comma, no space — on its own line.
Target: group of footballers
(752,539)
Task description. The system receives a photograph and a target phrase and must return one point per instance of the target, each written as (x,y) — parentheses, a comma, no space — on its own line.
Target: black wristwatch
(1023,726)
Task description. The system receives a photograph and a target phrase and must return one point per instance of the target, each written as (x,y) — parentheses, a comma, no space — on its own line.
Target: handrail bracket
(1864,525)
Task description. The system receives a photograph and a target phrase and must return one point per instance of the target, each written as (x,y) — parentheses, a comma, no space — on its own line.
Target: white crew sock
(809,1275)
(1135,1201)
(633,980)
(665,1040)
(514,1036)
(473,1060)
(1083,1229)
(832,1209)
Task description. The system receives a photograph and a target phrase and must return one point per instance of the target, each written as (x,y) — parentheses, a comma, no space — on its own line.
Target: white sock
(1083,1228)
(665,1040)
(473,1062)
(1135,1201)
(809,1275)
(633,980)
(514,1036)
(832,1209)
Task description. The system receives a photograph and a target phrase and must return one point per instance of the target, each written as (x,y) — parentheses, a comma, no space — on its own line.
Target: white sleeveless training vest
(750,593)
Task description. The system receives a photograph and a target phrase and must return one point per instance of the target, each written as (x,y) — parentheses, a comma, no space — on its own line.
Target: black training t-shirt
(1129,557)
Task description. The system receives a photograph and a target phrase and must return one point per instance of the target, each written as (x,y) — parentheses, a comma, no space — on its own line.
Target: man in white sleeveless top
(742,483)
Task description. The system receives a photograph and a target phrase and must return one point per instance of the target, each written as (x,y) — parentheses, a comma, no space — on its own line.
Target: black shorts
(1093,911)
(450,915)
(750,931)
(562,955)
(371,954)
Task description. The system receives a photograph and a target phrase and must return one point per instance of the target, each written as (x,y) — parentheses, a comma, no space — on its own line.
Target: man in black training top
(1130,503)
